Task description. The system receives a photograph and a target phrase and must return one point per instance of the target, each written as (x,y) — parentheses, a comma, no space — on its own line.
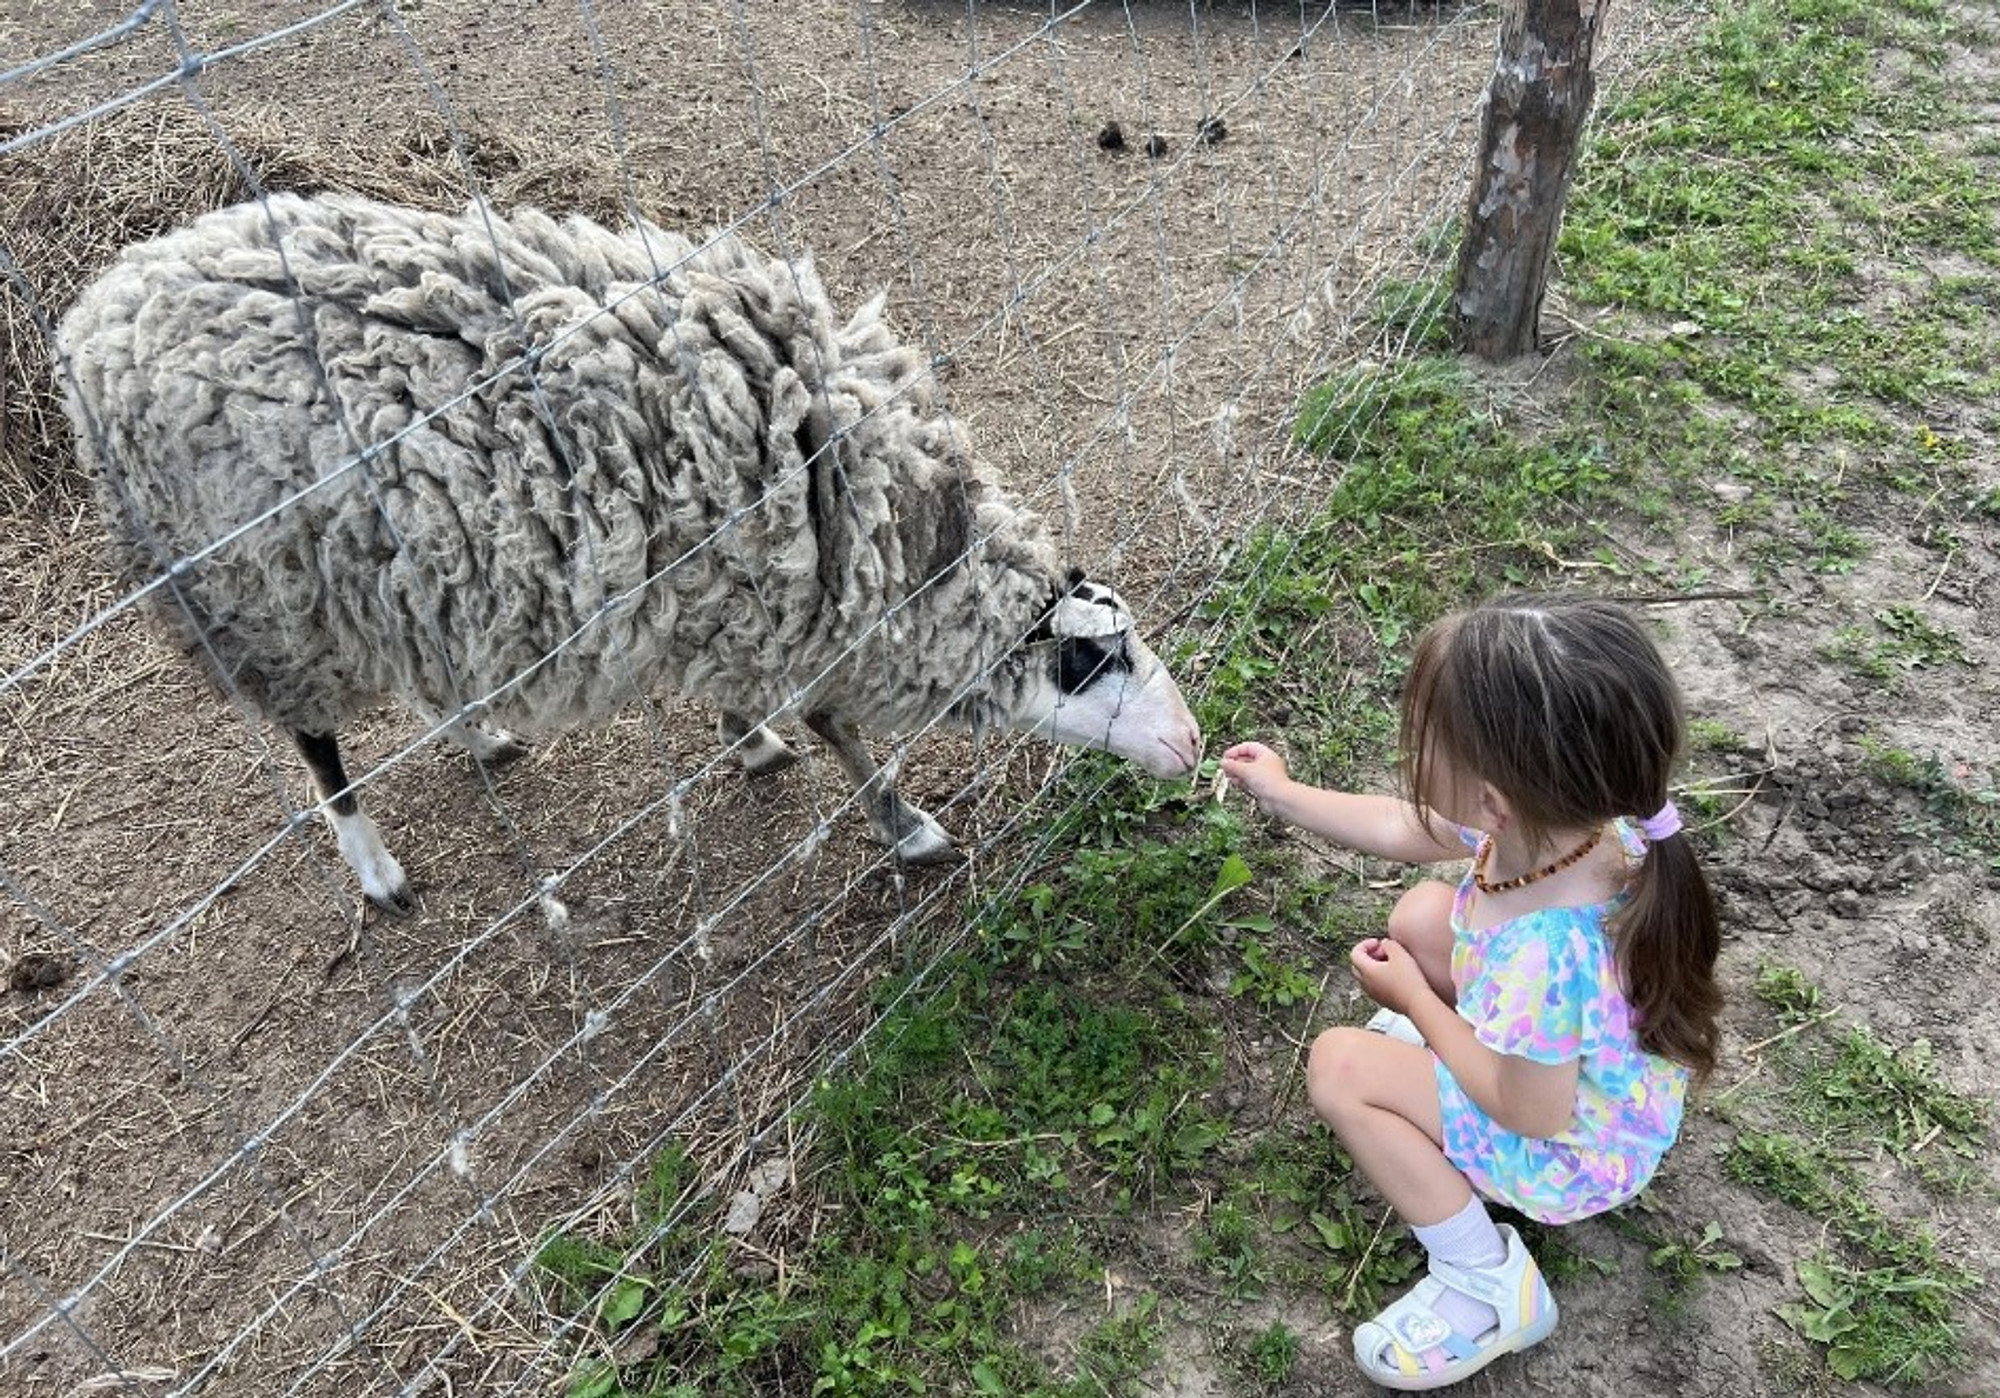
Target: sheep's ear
(1075,579)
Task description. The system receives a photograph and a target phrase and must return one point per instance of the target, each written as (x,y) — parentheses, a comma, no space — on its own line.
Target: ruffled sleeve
(1533,998)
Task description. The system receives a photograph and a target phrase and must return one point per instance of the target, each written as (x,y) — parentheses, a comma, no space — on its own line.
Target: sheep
(515,472)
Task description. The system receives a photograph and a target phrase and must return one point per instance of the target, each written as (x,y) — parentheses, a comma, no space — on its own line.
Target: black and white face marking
(1107,689)
(1082,660)
(1092,629)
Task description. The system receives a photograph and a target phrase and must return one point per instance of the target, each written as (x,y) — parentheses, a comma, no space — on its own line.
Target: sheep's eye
(1082,660)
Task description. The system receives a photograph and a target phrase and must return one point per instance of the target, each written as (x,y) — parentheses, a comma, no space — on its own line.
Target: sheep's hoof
(382,878)
(399,901)
(927,847)
(495,747)
(505,750)
(769,763)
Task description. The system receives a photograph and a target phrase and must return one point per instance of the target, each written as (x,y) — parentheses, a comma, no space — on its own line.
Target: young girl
(1539,1022)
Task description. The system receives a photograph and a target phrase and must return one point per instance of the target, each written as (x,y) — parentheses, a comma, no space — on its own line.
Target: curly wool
(597,463)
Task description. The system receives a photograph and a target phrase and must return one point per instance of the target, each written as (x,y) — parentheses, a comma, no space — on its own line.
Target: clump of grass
(1963,816)
(1270,1354)
(1866,1090)
(1786,990)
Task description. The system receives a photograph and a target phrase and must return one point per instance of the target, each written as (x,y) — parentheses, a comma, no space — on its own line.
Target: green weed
(1270,1355)
(1877,1323)
(1272,983)
(1226,1246)
(1786,990)
(1965,818)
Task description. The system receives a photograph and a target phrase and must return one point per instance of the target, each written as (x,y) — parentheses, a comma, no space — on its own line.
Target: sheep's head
(1092,682)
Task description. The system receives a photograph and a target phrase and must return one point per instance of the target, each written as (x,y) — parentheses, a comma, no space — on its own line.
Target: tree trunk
(1535,109)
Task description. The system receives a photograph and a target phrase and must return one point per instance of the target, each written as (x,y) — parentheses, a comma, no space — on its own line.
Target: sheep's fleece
(543,465)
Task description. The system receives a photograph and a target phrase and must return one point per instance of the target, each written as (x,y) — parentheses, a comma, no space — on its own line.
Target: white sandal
(1397,1026)
(1391,1348)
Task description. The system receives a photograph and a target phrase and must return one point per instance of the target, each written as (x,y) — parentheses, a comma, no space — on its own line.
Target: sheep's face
(1092,682)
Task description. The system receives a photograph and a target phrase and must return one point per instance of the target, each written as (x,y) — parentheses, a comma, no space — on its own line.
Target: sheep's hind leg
(763,752)
(360,842)
(914,836)
(495,747)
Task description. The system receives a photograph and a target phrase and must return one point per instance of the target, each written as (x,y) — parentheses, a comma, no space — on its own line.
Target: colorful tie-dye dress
(1545,986)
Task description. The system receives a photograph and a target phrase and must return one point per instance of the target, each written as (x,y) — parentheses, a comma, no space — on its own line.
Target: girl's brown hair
(1564,705)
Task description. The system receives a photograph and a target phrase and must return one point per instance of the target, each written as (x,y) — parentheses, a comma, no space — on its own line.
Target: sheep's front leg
(763,752)
(914,836)
(360,842)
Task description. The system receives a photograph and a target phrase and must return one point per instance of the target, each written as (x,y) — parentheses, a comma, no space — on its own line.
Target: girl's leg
(1380,1097)
(1421,923)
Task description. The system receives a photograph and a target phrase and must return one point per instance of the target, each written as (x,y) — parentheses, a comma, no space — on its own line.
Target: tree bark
(1536,106)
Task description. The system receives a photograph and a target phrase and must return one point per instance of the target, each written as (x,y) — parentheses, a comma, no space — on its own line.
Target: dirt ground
(290,1149)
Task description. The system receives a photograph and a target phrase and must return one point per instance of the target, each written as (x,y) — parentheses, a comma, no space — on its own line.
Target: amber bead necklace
(1523,880)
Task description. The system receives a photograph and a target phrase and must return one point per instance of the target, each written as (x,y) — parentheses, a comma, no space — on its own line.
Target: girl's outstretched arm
(1384,826)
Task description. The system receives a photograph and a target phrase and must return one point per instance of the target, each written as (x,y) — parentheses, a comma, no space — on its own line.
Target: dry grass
(69,204)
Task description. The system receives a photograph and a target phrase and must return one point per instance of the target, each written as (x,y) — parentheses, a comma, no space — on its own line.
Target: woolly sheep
(516,471)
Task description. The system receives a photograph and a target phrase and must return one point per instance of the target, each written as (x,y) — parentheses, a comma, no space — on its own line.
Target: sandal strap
(1488,1284)
(1410,1329)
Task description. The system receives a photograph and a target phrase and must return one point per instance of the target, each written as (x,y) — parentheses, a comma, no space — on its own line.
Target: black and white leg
(360,842)
(913,835)
(763,752)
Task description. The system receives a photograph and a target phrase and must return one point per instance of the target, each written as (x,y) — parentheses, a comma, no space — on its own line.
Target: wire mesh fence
(264,1138)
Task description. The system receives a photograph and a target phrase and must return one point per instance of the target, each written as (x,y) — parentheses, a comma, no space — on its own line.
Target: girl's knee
(1337,1070)
(1422,916)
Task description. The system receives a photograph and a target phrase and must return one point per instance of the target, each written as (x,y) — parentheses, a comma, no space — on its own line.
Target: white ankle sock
(1467,1239)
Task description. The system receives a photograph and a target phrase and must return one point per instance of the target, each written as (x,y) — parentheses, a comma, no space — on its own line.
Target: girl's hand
(1388,974)
(1256,769)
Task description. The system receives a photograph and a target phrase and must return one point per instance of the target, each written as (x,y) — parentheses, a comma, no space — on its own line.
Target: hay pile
(69,204)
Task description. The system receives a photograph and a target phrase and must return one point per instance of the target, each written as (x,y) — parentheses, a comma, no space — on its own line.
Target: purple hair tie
(1667,822)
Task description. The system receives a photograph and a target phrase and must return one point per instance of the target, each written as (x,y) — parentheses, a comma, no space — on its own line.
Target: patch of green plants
(1412,315)
(1711,735)
(1889,1310)
(1786,990)
(1964,816)
(669,1294)
(1876,1323)
(1681,1259)
(1227,1246)
(1866,1090)
(1822,1184)
(1272,982)
(1115,1354)
(1422,450)
(1270,1354)
(1705,206)
(1684,1260)
(1902,640)
(1910,641)
(1297,1206)
(1854,1090)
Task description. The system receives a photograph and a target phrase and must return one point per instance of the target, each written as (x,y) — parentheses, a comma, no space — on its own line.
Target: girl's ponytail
(1669,937)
